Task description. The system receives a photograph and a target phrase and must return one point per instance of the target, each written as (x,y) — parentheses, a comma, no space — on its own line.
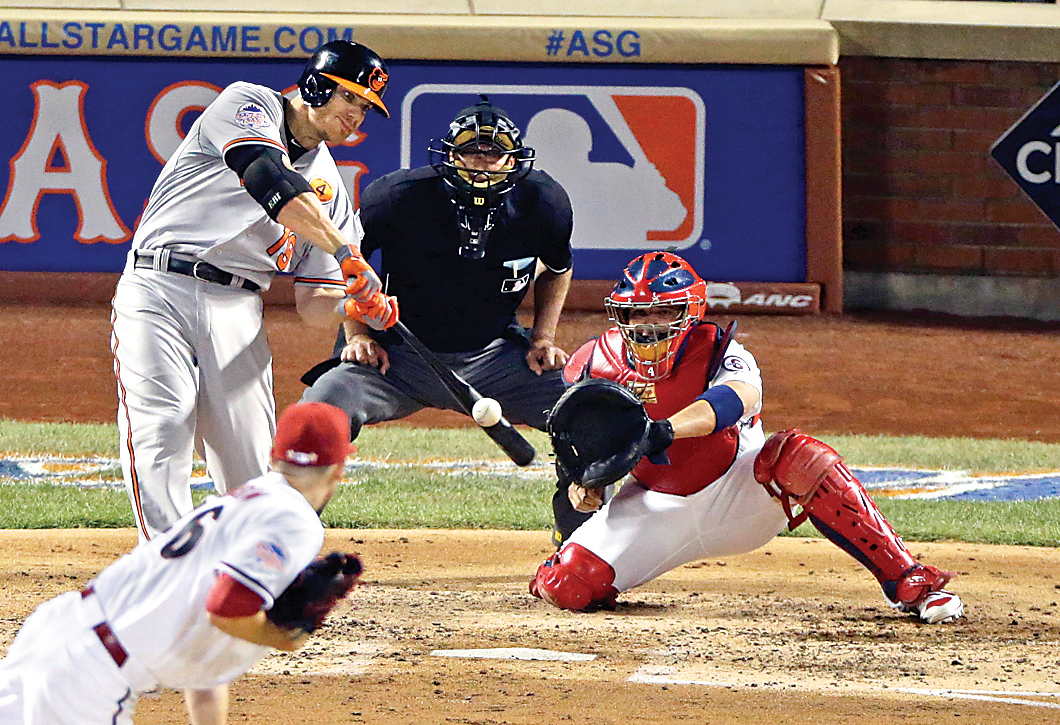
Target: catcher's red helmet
(655,304)
(342,63)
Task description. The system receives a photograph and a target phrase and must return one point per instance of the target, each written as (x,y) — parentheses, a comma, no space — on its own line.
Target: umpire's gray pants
(497,371)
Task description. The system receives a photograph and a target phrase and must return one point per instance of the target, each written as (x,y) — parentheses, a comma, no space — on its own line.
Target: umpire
(461,242)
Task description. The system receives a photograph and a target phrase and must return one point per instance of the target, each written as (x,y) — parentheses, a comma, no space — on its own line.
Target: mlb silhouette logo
(630,157)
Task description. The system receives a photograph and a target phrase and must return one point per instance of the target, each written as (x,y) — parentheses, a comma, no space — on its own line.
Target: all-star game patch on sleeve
(243,114)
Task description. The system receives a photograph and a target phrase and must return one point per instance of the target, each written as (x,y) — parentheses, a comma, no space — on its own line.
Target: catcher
(196,607)
(674,402)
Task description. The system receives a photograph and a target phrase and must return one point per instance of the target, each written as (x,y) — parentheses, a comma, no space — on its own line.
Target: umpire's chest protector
(694,462)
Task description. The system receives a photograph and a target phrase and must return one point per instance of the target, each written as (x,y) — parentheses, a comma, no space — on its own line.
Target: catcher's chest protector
(694,462)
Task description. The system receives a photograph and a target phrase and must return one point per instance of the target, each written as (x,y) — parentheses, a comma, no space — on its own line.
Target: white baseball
(486,412)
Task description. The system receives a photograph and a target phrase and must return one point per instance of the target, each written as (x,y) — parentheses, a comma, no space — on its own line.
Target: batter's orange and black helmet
(353,66)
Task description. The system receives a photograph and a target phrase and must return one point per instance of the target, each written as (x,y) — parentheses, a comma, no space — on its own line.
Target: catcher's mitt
(599,430)
(315,592)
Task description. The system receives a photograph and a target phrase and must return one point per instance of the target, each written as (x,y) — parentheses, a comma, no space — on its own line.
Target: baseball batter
(188,609)
(712,484)
(252,191)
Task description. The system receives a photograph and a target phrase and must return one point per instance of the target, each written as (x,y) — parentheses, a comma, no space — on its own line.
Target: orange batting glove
(379,313)
(361,280)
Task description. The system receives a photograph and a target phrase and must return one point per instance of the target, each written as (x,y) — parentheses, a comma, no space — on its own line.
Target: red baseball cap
(312,434)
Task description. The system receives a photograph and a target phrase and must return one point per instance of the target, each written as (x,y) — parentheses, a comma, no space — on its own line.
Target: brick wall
(920,191)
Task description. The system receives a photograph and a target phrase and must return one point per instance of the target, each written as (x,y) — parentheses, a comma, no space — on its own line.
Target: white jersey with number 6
(262,534)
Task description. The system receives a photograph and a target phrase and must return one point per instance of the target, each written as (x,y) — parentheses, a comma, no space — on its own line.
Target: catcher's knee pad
(575,578)
(791,465)
(798,469)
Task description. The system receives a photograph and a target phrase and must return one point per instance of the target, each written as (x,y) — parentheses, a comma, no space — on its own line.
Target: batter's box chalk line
(515,653)
(884,482)
(663,675)
(1006,696)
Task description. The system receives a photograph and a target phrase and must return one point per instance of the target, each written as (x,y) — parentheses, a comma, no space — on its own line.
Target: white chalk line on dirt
(655,675)
(891,482)
(515,653)
(990,696)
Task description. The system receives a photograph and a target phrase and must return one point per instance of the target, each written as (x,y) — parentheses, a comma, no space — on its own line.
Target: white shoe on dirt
(938,607)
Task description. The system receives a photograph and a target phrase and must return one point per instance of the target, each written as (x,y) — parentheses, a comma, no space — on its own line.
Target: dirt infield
(794,632)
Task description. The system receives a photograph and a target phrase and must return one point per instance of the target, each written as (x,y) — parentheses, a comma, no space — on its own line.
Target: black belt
(194,268)
(106,635)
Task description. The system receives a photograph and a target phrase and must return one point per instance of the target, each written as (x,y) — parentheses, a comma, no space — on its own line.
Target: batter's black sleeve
(265,176)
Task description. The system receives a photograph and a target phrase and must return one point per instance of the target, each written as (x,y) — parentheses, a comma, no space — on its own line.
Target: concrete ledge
(965,296)
(787,9)
(764,9)
(434,37)
(946,29)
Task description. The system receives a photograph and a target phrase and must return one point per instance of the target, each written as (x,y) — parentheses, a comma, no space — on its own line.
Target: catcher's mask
(481,158)
(658,301)
(350,65)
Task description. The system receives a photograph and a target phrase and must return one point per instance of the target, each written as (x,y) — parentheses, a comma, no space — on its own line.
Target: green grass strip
(404,497)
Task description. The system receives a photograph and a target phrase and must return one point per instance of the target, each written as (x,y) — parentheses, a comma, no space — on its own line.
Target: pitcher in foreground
(196,607)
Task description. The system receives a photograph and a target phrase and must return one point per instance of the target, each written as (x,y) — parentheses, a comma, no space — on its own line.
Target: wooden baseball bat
(502,432)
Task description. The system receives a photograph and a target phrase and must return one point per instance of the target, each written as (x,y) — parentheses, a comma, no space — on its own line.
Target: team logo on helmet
(377,79)
(325,192)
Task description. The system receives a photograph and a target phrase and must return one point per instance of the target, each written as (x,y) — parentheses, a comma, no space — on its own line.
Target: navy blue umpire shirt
(451,303)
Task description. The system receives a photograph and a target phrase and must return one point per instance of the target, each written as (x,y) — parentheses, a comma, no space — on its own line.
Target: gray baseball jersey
(199,206)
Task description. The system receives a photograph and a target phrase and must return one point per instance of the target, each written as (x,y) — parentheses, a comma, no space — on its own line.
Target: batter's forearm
(319,306)
(305,216)
(550,294)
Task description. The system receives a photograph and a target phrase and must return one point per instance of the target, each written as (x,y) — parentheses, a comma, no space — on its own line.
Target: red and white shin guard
(800,470)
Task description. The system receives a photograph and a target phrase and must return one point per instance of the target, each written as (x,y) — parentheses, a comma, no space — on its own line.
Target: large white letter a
(82,173)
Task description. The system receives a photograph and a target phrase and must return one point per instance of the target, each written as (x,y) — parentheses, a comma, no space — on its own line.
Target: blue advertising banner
(707,160)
